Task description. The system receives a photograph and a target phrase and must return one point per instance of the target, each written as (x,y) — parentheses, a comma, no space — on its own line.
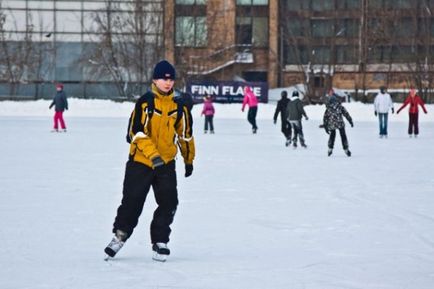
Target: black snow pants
(286,128)
(137,182)
(251,116)
(343,138)
(413,123)
(209,121)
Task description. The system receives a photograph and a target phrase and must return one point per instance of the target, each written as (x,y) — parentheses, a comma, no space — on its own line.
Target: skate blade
(159,258)
(108,258)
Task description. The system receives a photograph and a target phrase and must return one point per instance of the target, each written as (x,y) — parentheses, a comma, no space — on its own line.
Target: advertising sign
(226,91)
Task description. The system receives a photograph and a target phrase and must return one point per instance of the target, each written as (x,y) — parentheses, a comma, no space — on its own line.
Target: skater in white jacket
(382,104)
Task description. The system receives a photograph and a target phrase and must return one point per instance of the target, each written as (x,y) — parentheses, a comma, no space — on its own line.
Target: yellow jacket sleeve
(184,130)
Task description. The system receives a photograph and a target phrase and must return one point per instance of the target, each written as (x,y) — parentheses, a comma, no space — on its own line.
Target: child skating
(208,111)
(158,125)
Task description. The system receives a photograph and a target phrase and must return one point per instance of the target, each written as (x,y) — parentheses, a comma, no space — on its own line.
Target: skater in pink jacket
(208,111)
(251,100)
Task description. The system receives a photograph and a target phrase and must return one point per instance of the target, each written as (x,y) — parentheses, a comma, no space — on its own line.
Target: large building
(356,45)
(97,48)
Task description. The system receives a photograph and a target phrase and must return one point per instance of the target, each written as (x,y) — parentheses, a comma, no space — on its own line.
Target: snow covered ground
(254,215)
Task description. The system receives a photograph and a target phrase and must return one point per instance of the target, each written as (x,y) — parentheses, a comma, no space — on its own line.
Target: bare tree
(128,44)
(16,56)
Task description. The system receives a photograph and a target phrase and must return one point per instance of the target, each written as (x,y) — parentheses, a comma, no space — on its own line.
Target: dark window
(321,55)
(252,30)
(406,28)
(296,27)
(296,5)
(348,28)
(322,28)
(255,75)
(346,54)
(296,54)
(323,5)
(349,4)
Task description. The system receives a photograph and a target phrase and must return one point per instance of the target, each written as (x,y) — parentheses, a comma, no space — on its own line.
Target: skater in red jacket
(413,122)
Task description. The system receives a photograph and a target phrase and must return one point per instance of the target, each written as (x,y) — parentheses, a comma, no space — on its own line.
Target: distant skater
(60,104)
(281,109)
(382,104)
(208,111)
(295,112)
(333,121)
(251,100)
(413,113)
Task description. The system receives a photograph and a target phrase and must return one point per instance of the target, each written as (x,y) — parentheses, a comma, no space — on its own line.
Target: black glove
(393,111)
(326,130)
(188,170)
(306,117)
(375,113)
(352,124)
(157,162)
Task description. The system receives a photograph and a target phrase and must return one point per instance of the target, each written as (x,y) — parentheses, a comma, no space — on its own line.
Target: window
(295,5)
(191,31)
(346,54)
(404,4)
(348,28)
(324,5)
(296,54)
(432,28)
(349,4)
(252,2)
(322,28)
(392,4)
(252,30)
(406,28)
(321,55)
(375,4)
(191,2)
(296,27)
(403,54)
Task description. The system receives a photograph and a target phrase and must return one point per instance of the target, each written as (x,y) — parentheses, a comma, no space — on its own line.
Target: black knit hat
(164,70)
(295,93)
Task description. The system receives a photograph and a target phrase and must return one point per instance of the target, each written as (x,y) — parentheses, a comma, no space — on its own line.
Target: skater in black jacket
(285,125)
(295,112)
(333,120)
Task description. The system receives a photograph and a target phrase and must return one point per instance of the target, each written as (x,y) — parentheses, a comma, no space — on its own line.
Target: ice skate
(329,152)
(161,251)
(347,152)
(288,142)
(115,244)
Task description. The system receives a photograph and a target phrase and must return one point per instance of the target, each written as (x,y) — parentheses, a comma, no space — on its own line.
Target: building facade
(107,48)
(356,45)
(97,48)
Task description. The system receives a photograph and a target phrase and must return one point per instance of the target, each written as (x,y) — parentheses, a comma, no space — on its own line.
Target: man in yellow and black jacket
(159,125)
